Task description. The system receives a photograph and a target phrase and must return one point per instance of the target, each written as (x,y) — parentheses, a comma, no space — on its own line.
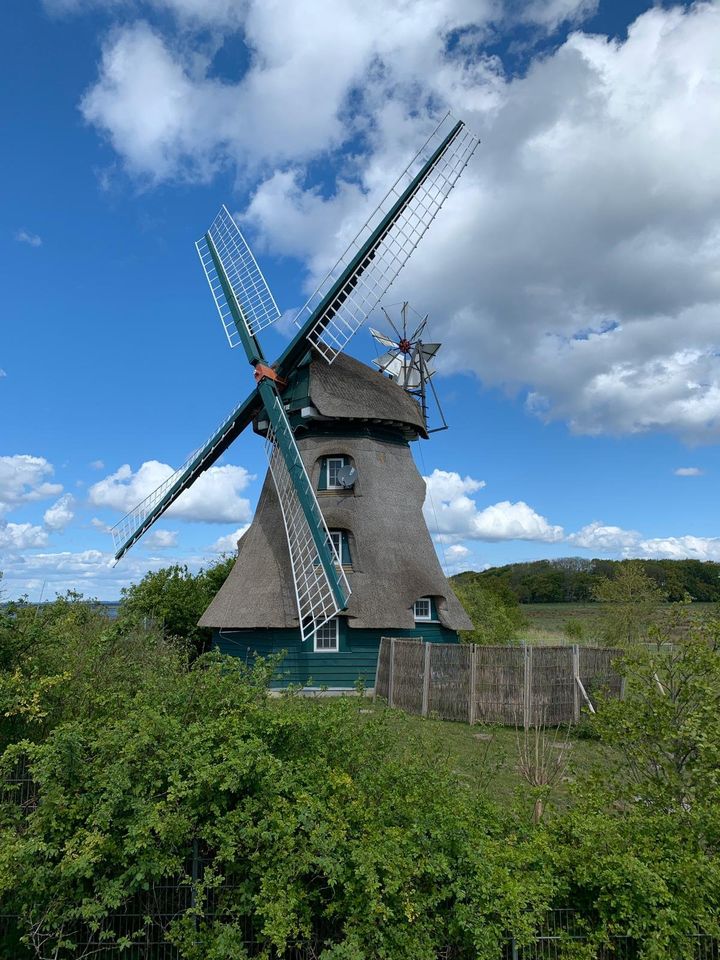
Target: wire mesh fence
(519,686)
(142,931)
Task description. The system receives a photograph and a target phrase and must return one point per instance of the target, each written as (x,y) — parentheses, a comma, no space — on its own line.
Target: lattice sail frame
(314,595)
(252,295)
(133,522)
(363,291)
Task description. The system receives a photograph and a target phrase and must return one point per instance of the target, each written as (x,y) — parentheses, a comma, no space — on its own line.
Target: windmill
(335,311)
(409,360)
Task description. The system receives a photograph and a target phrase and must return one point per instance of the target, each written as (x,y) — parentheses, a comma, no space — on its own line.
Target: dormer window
(423,609)
(337,473)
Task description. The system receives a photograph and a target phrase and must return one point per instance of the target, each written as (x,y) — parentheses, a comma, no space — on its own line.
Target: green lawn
(486,757)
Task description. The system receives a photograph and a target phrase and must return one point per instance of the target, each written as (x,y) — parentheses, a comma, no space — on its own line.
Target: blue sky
(572,277)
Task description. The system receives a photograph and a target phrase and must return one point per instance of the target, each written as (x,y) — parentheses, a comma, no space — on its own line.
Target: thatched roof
(349,389)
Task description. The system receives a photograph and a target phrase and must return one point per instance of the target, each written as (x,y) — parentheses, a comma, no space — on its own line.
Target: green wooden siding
(356,658)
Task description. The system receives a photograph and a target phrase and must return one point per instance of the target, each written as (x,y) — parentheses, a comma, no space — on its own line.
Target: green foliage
(573,579)
(495,614)
(174,599)
(632,599)
(316,817)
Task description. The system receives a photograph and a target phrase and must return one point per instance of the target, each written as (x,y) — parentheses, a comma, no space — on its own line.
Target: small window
(423,609)
(334,465)
(337,542)
(326,637)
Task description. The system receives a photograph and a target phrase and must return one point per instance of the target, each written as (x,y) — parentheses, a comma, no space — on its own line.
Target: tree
(496,619)
(175,599)
(631,599)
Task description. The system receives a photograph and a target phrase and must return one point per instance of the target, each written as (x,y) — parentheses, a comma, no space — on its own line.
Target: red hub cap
(404,346)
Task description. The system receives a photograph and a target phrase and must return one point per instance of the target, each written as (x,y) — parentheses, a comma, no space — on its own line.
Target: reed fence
(518,685)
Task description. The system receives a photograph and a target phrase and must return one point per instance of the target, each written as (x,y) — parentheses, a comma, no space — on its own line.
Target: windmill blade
(387,360)
(429,350)
(321,587)
(129,530)
(253,299)
(418,330)
(361,277)
(381,338)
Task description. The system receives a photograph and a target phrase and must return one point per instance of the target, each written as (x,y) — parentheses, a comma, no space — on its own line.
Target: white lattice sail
(314,595)
(362,292)
(253,298)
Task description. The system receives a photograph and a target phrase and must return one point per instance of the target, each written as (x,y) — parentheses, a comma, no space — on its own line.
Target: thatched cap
(350,390)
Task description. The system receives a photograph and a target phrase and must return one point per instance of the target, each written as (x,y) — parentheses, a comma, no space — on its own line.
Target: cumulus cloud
(23,479)
(213,498)
(59,515)
(21,536)
(689,472)
(228,543)
(160,539)
(453,515)
(97,465)
(31,239)
(577,259)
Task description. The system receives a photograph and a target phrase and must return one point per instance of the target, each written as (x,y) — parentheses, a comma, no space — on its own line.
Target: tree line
(575,579)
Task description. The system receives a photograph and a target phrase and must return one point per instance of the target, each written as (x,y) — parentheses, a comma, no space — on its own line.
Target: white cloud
(160,539)
(202,12)
(100,525)
(598,536)
(615,541)
(228,543)
(452,515)
(97,465)
(32,239)
(2,373)
(577,259)
(59,515)
(689,472)
(213,498)
(23,479)
(21,536)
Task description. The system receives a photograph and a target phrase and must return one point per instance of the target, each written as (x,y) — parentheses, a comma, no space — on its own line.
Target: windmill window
(327,637)
(334,465)
(423,609)
(342,546)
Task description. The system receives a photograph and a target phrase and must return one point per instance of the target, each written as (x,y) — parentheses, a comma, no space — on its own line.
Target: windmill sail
(321,587)
(132,526)
(361,277)
(247,284)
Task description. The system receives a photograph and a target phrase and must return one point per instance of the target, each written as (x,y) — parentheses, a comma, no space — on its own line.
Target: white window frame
(342,461)
(336,649)
(429,609)
(337,541)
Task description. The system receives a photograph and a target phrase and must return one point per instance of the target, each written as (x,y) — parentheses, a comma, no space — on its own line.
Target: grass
(546,621)
(486,757)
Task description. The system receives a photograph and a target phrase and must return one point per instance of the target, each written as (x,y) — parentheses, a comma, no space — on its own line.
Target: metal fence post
(391,672)
(426,681)
(575,678)
(513,946)
(473,670)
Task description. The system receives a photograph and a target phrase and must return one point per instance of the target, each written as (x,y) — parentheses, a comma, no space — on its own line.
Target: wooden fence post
(527,685)
(471,699)
(426,681)
(391,672)
(575,678)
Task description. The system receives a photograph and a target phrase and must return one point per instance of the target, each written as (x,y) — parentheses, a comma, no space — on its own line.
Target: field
(486,757)
(546,621)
